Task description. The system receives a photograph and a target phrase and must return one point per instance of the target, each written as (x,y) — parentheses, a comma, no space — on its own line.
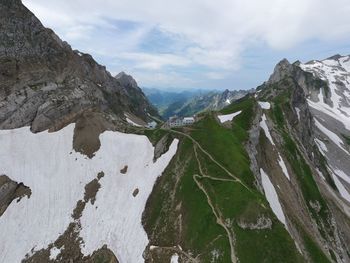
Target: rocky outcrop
(11,190)
(44,82)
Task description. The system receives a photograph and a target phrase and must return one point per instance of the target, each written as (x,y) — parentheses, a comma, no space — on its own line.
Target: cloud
(154,61)
(208,34)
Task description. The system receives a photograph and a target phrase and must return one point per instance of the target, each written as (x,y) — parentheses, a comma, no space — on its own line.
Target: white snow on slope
(333,71)
(264,105)
(132,123)
(342,175)
(342,190)
(321,146)
(331,135)
(57,175)
(263,125)
(228,117)
(174,258)
(272,197)
(298,112)
(54,252)
(283,166)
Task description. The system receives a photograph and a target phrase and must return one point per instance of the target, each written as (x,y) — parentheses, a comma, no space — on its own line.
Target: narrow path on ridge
(212,158)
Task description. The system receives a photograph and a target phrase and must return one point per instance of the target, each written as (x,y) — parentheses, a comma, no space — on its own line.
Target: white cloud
(154,61)
(207,33)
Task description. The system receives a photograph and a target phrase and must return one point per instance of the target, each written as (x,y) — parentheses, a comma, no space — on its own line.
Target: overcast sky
(219,44)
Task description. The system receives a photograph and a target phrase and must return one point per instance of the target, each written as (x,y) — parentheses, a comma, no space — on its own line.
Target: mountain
(187,103)
(168,101)
(45,84)
(268,172)
(210,101)
(264,179)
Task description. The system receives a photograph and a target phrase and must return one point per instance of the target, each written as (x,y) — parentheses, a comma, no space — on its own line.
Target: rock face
(45,84)
(310,124)
(11,190)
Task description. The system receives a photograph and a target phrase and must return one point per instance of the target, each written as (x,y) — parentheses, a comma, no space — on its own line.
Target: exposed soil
(124,169)
(11,190)
(87,130)
(91,190)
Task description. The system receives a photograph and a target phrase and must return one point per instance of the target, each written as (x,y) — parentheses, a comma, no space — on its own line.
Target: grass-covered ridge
(227,145)
(211,202)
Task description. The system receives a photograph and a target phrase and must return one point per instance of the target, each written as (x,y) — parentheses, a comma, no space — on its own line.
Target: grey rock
(43,82)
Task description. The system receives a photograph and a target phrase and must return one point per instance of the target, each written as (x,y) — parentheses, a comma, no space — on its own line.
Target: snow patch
(331,135)
(272,197)
(342,190)
(283,166)
(57,175)
(297,110)
(54,252)
(264,105)
(263,125)
(333,72)
(132,123)
(174,258)
(342,175)
(321,146)
(228,117)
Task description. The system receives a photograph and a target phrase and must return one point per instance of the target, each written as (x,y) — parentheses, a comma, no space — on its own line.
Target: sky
(199,44)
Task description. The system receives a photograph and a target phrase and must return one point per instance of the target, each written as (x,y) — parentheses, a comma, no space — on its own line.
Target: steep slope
(45,84)
(294,123)
(330,106)
(72,188)
(259,174)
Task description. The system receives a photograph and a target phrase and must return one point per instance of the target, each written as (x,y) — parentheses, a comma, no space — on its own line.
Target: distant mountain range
(186,103)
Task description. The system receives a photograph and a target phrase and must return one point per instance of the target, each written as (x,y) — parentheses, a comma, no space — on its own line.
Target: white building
(179,122)
(175,122)
(188,120)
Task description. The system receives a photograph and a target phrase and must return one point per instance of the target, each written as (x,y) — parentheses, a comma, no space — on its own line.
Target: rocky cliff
(46,84)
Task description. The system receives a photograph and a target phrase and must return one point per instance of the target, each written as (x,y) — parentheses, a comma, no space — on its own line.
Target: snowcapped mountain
(330,106)
(262,178)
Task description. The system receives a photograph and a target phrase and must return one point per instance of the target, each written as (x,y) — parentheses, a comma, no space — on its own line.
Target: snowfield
(272,197)
(342,190)
(283,166)
(263,125)
(264,105)
(331,135)
(228,117)
(57,175)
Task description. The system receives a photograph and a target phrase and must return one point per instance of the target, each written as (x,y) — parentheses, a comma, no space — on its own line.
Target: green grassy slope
(178,195)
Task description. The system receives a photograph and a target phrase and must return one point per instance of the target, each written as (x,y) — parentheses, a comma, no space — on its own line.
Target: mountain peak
(334,57)
(126,80)
(282,69)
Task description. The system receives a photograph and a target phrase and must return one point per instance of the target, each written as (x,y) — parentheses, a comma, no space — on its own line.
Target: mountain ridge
(46,75)
(265,178)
